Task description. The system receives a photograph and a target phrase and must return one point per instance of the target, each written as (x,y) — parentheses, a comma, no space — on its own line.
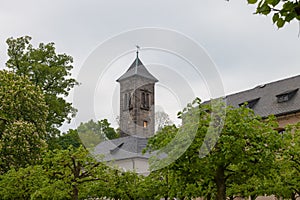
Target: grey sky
(247,49)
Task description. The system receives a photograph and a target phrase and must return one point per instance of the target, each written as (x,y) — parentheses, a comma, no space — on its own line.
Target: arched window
(125,103)
(143,100)
(147,100)
(145,124)
(129,101)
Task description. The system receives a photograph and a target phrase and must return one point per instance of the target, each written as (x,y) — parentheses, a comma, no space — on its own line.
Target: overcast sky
(247,49)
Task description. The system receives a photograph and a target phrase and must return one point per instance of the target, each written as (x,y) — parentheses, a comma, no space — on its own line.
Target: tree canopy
(22,121)
(282,11)
(49,71)
(246,148)
(92,133)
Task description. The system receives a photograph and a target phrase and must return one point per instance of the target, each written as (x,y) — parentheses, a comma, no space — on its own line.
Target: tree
(62,174)
(23,183)
(282,11)
(92,133)
(289,162)
(22,121)
(49,71)
(73,170)
(246,147)
(68,139)
(162,119)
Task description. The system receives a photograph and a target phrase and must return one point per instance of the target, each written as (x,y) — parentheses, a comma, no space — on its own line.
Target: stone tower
(137,101)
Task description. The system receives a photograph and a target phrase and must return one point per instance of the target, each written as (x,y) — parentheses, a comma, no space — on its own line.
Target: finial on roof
(137,50)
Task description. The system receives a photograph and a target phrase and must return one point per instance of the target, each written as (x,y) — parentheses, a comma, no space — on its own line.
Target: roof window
(286,96)
(250,104)
(112,151)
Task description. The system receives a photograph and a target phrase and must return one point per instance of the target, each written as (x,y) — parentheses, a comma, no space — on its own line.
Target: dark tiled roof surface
(268,96)
(137,68)
(122,148)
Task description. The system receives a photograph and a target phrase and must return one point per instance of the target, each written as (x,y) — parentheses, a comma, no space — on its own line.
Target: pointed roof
(137,68)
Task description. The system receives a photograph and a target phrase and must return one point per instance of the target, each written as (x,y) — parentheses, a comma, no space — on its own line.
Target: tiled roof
(267,97)
(264,102)
(122,148)
(137,68)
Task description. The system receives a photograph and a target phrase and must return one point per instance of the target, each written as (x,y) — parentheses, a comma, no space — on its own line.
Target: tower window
(127,101)
(145,124)
(145,100)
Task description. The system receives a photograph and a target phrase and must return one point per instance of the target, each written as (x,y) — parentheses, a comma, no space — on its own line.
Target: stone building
(137,91)
(137,112)
(280,98)
(137,108)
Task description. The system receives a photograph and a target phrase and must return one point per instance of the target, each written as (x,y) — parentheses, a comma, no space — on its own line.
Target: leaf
(275,17)
(289,17)
(265,9)
(252,1)
(280,23)
(272,2)
(275,2)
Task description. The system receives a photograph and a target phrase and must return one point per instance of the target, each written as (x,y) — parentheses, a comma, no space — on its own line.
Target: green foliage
(21,101)
(289,161)
(69,171)
(68,139)
(22,121)
(92,133)
(62,174)
(245,150)
(21,144)
(24,183)
(48,70)
(282,11)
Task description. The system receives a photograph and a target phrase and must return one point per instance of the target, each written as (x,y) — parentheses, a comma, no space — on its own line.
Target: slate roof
(122,148)
(266,97)
(137,68)
(263,98)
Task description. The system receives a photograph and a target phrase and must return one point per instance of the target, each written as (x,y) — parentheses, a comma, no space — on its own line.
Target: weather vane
(137,50)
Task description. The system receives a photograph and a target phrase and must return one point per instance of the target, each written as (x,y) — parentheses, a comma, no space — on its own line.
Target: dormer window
(250,104)
(286,96)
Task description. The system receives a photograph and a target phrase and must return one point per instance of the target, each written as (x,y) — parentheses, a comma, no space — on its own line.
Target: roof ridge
(263,85)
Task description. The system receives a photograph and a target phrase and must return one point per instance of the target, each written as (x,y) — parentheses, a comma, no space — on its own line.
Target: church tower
(137,101)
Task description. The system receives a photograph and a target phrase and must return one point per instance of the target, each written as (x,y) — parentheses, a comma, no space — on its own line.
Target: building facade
(280,98)
(137,103)
(137,118)
(137,91)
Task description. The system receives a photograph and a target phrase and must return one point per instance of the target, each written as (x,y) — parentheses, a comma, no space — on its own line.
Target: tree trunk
(208,196)
(293,196)
(220,181)
(75,193)
(253,197)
